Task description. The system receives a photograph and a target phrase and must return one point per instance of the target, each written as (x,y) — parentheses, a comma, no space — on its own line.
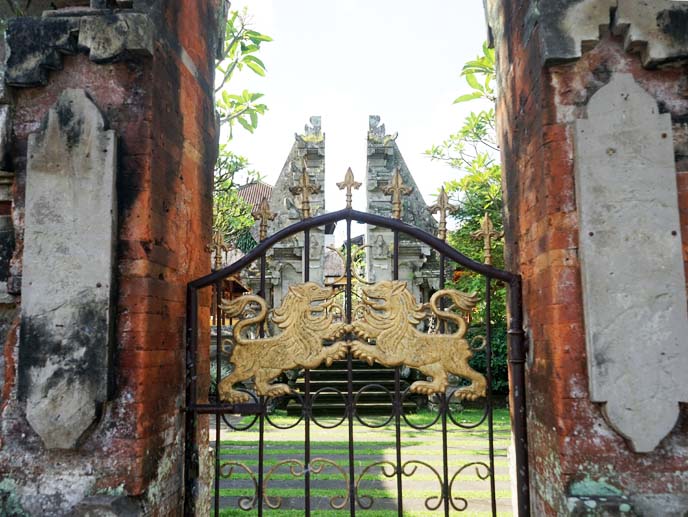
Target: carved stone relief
(67,318)
(631,262)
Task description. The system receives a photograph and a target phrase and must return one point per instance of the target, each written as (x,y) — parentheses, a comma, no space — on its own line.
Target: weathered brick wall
(160,105)
(573,450)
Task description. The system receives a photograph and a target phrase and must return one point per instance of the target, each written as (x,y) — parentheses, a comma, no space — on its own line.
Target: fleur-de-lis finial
(348,184)
(305,188)
(487,232)
(442,206)
(396,189)
(263,214)
(217,246)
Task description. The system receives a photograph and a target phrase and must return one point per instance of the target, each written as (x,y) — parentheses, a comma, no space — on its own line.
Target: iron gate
(312,329)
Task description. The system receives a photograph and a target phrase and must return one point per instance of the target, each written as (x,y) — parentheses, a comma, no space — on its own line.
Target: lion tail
(462,301)
(235,308)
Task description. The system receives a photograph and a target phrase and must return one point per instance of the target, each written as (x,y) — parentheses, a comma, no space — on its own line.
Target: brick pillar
(148,69)
(557,60)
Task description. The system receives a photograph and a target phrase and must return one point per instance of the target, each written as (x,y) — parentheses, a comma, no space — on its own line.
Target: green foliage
(231,213)
(241,46)
(473,151)
(480,74)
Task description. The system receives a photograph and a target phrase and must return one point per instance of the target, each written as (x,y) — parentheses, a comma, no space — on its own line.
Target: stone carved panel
(568,28)
(631,262)
(36,45)
(68,271)
(658,29)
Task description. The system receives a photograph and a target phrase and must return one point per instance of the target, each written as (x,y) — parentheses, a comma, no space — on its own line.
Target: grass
(370,446)
(233,512)
(466,416)
(377,493)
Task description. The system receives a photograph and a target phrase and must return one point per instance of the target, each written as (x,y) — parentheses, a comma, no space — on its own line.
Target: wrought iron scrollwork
(462,501)
(226,471)
(389,470)
(409,468)
(297,468)
(366,501)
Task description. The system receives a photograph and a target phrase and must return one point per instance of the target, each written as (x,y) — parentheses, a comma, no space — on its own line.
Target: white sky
(347,59)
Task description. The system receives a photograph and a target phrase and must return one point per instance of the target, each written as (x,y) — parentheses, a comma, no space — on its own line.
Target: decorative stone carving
(67,318)
(36,45)
(380,248)
(568,28)
(108,38)
(384,159)
(658,29)
(316,249)
(311,132)
(631,262)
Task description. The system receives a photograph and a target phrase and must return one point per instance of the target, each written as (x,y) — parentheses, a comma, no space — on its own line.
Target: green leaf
(254,118)
(256,68)
(254,59)
(248,127)
(473,82)
(258,36)
(468,97)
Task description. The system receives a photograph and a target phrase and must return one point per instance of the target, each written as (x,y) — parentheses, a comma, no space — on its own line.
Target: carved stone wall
(557,63)
(286,260)
(417,264)
(149,74)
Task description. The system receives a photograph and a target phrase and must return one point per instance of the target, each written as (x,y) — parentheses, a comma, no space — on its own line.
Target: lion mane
(390,317)
(303,326)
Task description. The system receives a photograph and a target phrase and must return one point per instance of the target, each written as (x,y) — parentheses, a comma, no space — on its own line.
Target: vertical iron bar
(397,396)
(488,360)
(307,386)
(350,375)
(517,363)
(191,446)
(444,408)
(218,370)
(445,460)
(261,418)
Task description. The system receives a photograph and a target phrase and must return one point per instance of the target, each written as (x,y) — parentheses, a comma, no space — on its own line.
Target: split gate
(279,444)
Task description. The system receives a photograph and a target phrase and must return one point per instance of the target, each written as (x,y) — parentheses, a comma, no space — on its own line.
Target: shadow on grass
(375,477)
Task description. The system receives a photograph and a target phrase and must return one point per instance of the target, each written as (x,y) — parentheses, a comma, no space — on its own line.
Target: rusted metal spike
(349,183)
(263,214)
(305,189)
(396,189)
(487,232)
(442,206)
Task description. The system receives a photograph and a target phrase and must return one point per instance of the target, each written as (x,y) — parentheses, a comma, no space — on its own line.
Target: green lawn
(284,449)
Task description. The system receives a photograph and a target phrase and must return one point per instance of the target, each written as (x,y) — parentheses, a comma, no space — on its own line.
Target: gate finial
(487,232)
(442,206)
(263,214)
(217,246)
(396,189)
(305,188)
(348,184)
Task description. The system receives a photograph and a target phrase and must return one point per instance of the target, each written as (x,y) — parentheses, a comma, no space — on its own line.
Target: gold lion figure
(390,318)
(300,344)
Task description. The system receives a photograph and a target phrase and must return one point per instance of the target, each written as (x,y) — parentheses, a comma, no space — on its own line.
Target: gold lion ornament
(303,326)
(390,317)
